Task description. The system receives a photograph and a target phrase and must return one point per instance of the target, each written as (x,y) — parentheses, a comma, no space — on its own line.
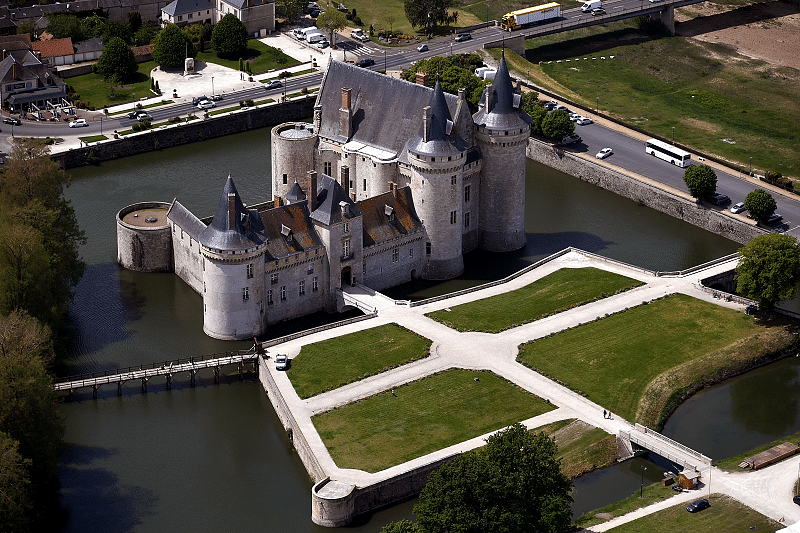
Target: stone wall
(713,219)
(168,136)
(141,248)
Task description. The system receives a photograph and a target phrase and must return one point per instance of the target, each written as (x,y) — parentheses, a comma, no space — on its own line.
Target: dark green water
(215,458)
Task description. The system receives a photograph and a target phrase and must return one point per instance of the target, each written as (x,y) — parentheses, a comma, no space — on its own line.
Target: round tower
(437,156)
(293,147)
(502,131)
(144,242)
(232,249)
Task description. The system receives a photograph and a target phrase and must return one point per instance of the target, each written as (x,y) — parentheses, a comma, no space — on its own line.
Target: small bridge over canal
(653,441)
(167,369)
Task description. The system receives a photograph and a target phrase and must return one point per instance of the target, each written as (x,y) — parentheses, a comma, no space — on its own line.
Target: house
(88,50)
(258,16)
(25,80)
(185,12)
(55,52)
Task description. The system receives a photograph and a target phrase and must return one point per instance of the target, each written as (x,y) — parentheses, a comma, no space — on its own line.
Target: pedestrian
(604,414)
(393,394)
(609,415)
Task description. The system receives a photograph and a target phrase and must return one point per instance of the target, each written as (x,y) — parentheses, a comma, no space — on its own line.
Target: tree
(145,35)
(455,72)
(701,181)
(557,124)
(29,29)
(760,204)
(116,60)
(429,13)
(172,47)
(134,21)
(117,28)
(331,20)
(537,112)
(513,484)
(769,269)
(229,36)
(290,9)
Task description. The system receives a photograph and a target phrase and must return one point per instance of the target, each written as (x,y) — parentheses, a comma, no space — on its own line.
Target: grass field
(424,416)
(725,514)
(556,292)
(613,360)
(705,91)
(332,363)
(260,56)
(581,447)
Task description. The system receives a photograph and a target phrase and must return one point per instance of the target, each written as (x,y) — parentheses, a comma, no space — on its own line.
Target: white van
(591,4)
(306,32)
(314,38)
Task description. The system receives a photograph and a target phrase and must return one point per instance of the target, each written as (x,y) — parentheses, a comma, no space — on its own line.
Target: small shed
(689,479)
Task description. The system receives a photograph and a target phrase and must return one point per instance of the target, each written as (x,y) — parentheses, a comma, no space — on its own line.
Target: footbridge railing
(666,447)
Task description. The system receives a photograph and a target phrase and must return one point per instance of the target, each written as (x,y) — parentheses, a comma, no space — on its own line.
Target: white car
(737,208)
(78,123)
(422,48)
(605,152)
(281,362)
(206,104)
(322,44)
(583,121)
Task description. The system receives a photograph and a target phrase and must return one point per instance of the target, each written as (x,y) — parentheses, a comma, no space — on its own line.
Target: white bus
(667,152)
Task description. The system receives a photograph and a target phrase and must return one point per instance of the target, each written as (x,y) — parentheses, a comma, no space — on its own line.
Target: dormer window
(287,233)
(389,212)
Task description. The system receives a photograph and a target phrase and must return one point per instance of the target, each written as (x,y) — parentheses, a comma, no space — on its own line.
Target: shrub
(357,21)
(136,127)
(249,102)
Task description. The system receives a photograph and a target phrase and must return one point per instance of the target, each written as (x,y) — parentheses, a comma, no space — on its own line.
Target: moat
(217,454)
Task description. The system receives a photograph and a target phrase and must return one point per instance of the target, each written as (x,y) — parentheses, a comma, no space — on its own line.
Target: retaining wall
(171,135)
(711,219)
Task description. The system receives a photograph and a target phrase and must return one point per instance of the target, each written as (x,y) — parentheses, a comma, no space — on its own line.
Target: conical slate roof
(295,195)
(504,111)
(438,140)
(329,197)
(246,231)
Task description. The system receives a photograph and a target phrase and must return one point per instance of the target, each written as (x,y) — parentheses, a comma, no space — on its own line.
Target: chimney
(317,117)
(462,94)
(353,196)
(231,211)
(345,114)
(311,193)
(489,103)
(422,78)
(345,183)
(278,201)
(394,189)
(426,122)
(15,71)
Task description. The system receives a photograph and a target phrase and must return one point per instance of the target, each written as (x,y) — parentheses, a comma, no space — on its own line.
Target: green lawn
(423,416)
(329,364)
(718,102)
(92,89)
(725,514)
(260,56)
(556,292)
(613,360)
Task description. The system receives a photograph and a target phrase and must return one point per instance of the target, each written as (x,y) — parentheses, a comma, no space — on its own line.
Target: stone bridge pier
(666,17)
(517,44)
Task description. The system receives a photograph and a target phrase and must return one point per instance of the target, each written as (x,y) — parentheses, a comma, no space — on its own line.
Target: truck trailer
(530,15)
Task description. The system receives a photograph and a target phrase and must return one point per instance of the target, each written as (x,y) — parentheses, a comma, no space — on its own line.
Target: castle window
(285,179)
(283,293)
(411,252)
(450,158)
(395,255)
(261,305)
(346,227)
(190,16)
(245,293)
(427,248)
(250,271)
(452,217)
(314,285)
(310,269)
(453,180)
(269,297)
(433,159)
(173,228)
(302,287)
(466,220)
(365,184)
(204,286)
(327,168)
(345,249)
(273,279)
(466,193)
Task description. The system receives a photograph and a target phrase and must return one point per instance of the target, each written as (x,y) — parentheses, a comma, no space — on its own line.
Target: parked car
(366,62)
(774,219)
(737,208)
(719,199)
(273,84)
(698,505)
(550,105)
(598,11)
(281,362)
(216,97)
(144,117)
(422,48)
(197,99)
(78,123)
(561,108)
(314,13)
(133,114)
(322,44)
(573,116)
(571,138)
(583,121)
(206,104)
(12,120)
(796,500)
(605,152)
(463,37)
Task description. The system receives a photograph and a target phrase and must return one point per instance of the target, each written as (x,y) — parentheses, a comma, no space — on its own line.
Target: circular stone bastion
(144,242)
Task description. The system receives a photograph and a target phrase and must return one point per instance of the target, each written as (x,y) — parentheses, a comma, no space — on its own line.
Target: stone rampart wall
(712,219)
(184,133)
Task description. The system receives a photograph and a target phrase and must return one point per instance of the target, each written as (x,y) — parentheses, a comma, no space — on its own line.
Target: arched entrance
(346,276)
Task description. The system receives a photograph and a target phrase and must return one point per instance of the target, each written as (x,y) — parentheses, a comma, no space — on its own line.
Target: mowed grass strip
(424,416)
(613,359)
(554,293)
(330,364)
(725,514)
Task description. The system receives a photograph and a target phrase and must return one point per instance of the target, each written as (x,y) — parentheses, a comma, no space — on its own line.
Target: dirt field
(769,31)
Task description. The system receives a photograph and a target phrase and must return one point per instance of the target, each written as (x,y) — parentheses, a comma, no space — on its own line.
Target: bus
(667,152)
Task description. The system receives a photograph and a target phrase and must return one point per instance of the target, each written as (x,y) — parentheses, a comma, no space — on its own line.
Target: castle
(392,181)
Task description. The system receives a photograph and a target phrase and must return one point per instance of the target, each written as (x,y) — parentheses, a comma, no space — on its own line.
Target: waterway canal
(217,455)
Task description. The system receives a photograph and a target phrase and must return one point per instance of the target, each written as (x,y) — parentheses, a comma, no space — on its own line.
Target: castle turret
(232,249)
(437,155)
(502,131)
(292,155)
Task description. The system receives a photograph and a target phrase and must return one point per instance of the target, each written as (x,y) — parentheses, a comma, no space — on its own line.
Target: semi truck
(530,15)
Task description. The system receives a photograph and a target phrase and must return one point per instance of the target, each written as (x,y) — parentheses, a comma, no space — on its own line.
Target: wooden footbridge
(166,368)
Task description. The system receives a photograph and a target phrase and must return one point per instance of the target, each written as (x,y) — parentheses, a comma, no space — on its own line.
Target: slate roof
(10,43)
(95,44)
(505,112)
(28,68)
(247,229)
(185,219)
(54,47)
(438,140)
(295,217)
(329,195)
(296,194)
(379,120)
(182,7)
(377,225)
